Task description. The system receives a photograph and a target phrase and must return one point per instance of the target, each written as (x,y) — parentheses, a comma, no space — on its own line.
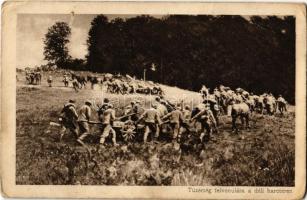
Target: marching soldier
(103,107)
(69,119)
(151,117)
(50,80)
(83,120)
(281,104)
(66,80)
(75,84)
(107,118)
(214,107)
(237,96)
(206,119)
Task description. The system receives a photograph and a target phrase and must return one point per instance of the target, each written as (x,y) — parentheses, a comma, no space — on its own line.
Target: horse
(80,79)
(241,110)
(93,80)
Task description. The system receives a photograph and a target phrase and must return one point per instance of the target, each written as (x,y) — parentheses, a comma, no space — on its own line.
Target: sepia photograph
(150,99)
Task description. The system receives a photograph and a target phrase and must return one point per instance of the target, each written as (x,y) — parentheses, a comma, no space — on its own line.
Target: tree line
(255,53)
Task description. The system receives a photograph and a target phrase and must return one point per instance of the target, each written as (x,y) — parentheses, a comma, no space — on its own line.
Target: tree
(96,42)
(56,40)
(257,54)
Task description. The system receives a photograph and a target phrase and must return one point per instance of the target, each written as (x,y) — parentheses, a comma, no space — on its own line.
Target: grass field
(262,156)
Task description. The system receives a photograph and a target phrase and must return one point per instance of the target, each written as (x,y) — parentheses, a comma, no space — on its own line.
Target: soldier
(161,108)
(282,104)
(66,80)
(134,110)
(169,106)
(151,117)
(206,119)
(129,108)
(186,115)
(162,111)
(83,120)
(75,84)
(251,102)
(260,103)
(238,96)
(138,110)
(107,118)
(175,118)
(69,118)
(132,88)
(245,96)
(50,80)
(108,85)
(214,108)
(270,104)
(103,107)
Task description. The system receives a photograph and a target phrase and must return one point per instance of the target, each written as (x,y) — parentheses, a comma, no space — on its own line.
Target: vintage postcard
(161,100)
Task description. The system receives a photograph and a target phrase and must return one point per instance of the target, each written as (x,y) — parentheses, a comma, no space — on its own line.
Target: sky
(31,29)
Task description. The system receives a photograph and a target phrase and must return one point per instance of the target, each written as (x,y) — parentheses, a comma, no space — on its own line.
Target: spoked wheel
(128,135)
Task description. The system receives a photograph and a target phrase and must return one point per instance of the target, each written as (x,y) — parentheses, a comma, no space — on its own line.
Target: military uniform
(186,115)
(66,81)
(107,118)
(206,119)
(175,119)
(282,104)
(151,117)
(69,119)
(75,84)
(238,98)
(84,117)
(138,110)
(50,80)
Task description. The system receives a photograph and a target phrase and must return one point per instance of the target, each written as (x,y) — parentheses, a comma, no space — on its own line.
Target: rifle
(122,117)
(119,118)
(164,122)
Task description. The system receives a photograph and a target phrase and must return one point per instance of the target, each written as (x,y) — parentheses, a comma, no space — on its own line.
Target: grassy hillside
(262,156)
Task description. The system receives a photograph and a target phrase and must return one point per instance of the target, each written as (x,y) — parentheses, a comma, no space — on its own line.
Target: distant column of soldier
(33,77)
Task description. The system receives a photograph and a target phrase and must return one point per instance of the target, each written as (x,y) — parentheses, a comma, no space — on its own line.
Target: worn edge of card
(11,9)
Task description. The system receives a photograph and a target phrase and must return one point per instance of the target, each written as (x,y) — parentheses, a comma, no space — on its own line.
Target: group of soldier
(163,116)
(224,96)
(33,77)
(116,85)
(151,121)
